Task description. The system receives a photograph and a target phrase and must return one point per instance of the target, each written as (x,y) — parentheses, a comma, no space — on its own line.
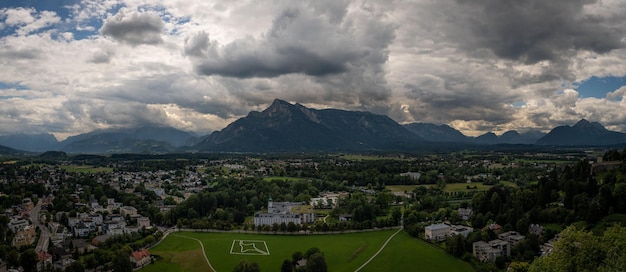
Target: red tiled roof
(140,254)
(43,256)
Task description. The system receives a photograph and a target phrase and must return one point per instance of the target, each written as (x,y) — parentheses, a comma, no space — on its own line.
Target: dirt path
(383,246)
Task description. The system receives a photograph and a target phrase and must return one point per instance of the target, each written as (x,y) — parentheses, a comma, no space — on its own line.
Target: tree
(455,245)
(577,251)
(121,262)
(286,266)
(296,256)
(396,214)
(316,263)
(247,266)
(518,267)
(619,196)
(28,260)
(310,252)
(76,267)
(91,262)
(13,258)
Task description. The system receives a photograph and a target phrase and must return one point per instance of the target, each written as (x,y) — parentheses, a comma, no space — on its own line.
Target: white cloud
(198,65)
(28,20)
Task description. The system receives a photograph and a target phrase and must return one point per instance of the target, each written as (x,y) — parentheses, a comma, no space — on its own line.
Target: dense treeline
(579,250)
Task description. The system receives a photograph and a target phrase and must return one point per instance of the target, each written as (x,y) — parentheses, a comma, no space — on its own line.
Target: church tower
(270,204)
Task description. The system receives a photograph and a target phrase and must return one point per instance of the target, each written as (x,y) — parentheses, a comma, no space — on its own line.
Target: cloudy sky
(70,66)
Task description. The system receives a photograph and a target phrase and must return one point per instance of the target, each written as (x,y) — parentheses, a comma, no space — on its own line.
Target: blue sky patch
(599,87)
(518,104)
(8,85)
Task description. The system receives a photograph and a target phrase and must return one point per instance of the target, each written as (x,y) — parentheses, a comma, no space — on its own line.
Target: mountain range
(286,127)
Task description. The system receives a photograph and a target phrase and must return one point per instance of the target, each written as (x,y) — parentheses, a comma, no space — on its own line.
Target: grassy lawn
(353,157)
(405,253)
(450,187)
(85,169)
(462,187)
(546,161)
(283,178)
(178,254)
(401,188)
(343,252)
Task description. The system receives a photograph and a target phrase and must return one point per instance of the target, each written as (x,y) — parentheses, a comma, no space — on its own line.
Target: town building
(24,237)
(512,237)
(465,213)
(460,230)
(285,212)
(489,251)
(140,258)
(437,232)
(484,252)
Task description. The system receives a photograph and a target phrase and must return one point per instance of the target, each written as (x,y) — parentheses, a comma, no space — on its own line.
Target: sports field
(343,252)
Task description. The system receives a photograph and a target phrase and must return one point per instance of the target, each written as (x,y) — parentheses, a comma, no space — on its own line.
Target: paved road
(44,238)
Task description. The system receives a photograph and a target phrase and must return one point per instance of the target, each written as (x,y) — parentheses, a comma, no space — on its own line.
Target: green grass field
(343,252)
(283,178)
(405,253)
(85,169)
(450,187)
(354,157)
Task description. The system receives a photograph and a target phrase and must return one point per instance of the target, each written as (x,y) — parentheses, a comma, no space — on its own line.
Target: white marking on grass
(249,247)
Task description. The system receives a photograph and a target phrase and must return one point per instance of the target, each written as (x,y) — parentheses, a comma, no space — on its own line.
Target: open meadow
(343,252)
(86,169)
(451,187)
(283,178)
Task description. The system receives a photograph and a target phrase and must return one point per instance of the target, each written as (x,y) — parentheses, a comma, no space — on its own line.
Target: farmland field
(283,178)
(85,169)
(450,187)
(343,252)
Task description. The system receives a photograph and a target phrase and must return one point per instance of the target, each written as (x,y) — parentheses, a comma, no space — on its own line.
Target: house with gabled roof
(140,258)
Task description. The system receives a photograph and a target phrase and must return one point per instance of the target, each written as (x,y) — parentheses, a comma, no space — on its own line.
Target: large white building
(285,212)
(437,232)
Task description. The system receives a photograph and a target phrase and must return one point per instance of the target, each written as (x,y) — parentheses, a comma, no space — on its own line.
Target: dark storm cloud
(301,40)
(533,30)
(134,28)
(112,113)
(453,97)
(313,53)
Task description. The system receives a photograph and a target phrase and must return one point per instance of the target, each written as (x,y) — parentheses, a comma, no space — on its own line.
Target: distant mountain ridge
(9,151)
(582,133)
(147,139)
(29,142)
(445,133)
(437,133)
(287,127)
